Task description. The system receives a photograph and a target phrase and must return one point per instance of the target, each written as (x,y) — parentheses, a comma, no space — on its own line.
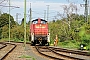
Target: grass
(5,39)
(11,39)
(69,44)
(26,56)
(72,45)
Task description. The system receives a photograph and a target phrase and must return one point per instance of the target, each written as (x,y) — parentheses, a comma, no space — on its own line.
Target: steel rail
(8,51)
(37,48)
(64,55)
(18,42)
(4,45)
(72,51)
(49,49)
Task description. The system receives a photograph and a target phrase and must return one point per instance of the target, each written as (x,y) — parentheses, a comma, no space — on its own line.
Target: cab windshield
(34,22)
(42,21)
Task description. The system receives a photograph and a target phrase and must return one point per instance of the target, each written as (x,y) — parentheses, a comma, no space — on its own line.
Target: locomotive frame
(39,32)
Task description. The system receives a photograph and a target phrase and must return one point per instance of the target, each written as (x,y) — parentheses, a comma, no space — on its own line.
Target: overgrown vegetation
(73,37)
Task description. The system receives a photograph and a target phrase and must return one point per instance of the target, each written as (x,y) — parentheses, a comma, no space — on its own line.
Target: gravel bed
(28,53)
(32,52)
(4,51)
(1,45)
(75,55)
(22,53)
(17,53)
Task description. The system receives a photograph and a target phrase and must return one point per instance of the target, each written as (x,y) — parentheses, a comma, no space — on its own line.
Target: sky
(38,8)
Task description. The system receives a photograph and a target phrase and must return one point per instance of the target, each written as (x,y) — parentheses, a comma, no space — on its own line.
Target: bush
(65,43)
(85,39)
(72,44)
(19,40)
(88,47)
(0,33)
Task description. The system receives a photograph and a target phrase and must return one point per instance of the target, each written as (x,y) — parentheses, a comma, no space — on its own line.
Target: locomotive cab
(39,32)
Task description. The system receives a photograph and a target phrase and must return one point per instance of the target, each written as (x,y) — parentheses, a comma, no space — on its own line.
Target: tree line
(78,29)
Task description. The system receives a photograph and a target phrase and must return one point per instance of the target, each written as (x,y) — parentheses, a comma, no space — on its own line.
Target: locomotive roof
(40,19)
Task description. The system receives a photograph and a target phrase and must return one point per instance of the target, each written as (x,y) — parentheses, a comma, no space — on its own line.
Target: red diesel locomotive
(39,32)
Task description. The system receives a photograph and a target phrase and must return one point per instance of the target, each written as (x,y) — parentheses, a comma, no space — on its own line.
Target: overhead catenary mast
(30,13)
(44,14)
(30,18)
(17,18)
(86,10)
(9,20)
(47,12)
(24,23)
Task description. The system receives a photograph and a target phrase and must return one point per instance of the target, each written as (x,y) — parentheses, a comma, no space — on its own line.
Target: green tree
(5,31)
(0,33)
(4,20)
(22,23)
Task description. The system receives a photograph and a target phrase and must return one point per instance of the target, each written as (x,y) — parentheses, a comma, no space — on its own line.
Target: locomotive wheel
(48,44)
(32,44)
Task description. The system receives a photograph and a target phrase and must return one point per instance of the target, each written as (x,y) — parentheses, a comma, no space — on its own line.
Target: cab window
(34,22)
(43,22)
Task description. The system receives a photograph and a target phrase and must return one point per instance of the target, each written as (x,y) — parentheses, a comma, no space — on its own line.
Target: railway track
(6,49)
(51,52)
(45,51)
(80,55)
(60,54)
(2,45)
(71,51)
